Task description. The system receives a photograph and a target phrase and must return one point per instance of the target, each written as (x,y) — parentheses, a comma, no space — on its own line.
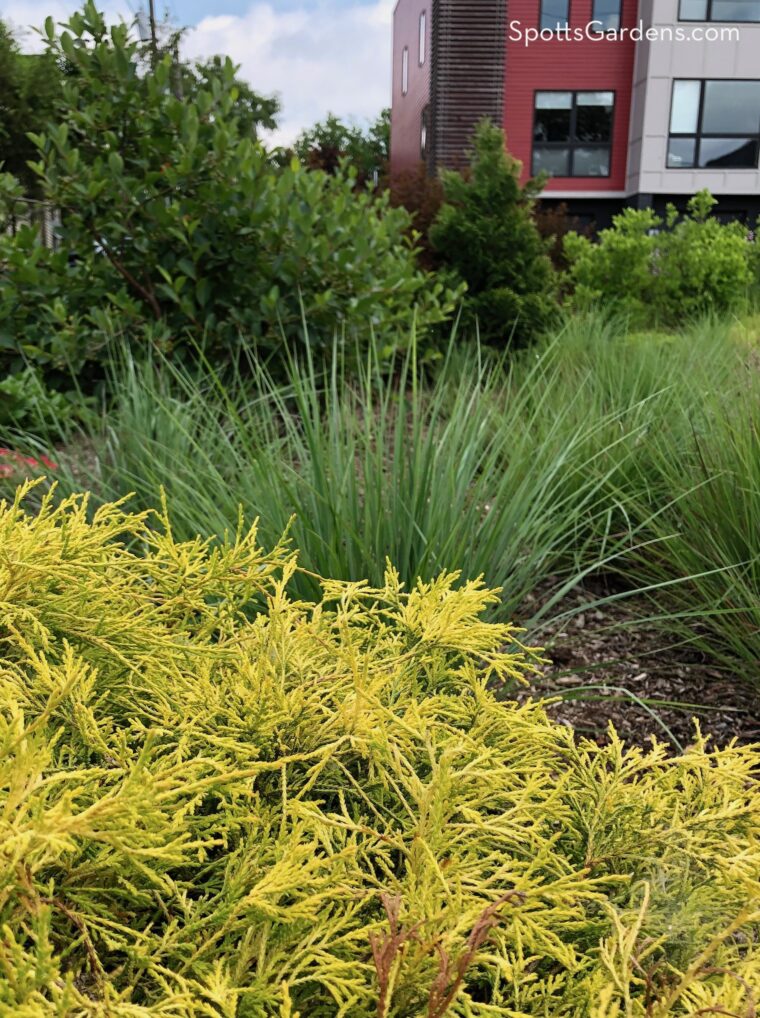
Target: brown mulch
(610,646)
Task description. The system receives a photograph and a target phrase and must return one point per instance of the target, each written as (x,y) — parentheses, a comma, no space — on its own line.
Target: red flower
(12,462)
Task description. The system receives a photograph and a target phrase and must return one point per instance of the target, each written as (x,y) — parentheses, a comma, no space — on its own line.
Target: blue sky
(190,12)
(318,56)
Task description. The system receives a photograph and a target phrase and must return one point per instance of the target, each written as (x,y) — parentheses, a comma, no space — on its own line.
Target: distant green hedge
(217,802)
(665,270)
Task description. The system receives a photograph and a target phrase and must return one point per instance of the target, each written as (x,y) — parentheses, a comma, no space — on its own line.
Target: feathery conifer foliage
(486,232)
(216,801)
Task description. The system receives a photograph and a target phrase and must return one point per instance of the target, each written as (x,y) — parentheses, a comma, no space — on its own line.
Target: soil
(650,683)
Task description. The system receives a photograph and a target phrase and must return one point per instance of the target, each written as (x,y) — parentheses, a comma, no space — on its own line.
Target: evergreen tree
(486,232)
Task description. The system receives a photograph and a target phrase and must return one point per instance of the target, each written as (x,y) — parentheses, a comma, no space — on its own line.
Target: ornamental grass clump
(218,801)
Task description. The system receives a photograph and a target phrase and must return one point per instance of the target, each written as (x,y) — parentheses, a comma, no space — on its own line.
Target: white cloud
(319,57)
(330,58)
(26,15)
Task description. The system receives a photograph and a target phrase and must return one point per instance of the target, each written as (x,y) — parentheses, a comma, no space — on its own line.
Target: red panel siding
(554,64)
(406,110)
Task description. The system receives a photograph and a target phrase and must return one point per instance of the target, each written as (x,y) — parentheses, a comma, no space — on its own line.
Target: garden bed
(648,681)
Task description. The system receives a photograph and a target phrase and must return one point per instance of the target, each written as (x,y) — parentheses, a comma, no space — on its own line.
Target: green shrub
(657,270)
(174,217)
(331,142)
(28,405)
(485,231)
(30,85)
(218,801)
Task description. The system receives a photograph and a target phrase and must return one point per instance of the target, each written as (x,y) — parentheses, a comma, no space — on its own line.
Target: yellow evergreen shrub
(217,802)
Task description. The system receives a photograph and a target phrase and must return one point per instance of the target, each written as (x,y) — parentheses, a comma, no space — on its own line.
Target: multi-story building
(620,102)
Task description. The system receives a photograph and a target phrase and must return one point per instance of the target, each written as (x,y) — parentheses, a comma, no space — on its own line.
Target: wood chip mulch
(650,683)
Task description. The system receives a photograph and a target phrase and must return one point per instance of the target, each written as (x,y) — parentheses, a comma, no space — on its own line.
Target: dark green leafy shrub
(331,143)
(486,232)
(323,811)
(656,270)
(28,404)
(30,88)
(174,217)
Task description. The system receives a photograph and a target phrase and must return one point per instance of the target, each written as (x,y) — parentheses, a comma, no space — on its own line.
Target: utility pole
(153,39)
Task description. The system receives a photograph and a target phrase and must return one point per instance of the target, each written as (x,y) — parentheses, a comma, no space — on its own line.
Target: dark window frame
(699,135)
(710,18)
(572,144)
(569,5)
(619,14)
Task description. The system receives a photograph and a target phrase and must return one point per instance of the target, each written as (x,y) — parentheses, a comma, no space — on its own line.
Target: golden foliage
(215,801)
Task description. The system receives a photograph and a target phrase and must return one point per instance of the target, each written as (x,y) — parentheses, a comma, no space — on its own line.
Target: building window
(555,15)
(424,132)
(423,37)
(714,125)
(572,133)
(719,10)
(606,15)
(405,70)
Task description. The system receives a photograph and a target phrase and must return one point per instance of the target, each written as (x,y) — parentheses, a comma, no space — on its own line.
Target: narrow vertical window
(606,13)
(405,71)
(423,38)
(555,15)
